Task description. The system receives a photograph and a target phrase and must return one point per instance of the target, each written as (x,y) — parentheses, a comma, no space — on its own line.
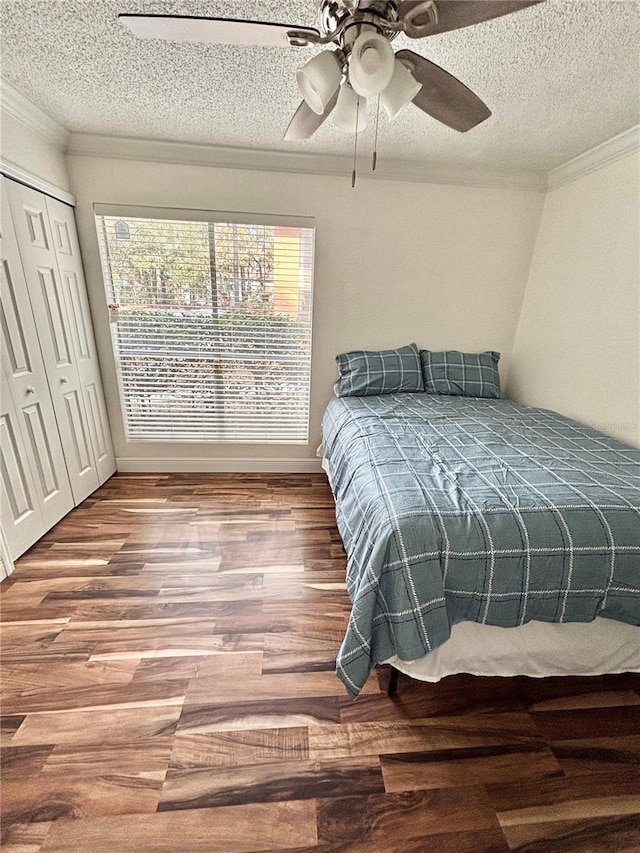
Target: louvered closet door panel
(29,423)
(67,250)
(50,310)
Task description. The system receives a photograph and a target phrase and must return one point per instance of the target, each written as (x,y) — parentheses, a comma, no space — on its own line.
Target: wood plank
(114,611)
(200,718)
(539,690)
(589,722)
(23,762)
(233,748)
(269,686)
(299,652)
(595,699)
(573,798)
(578,757)
(372,822)
(192,666)
(80,727)
(353,739)
(9,725)
(271,782)
(30,637)
(51,799)
(36,676)
(81,588)
(24,837)
(232,829)
(454,767)
(456,695)
(99,697)
(100,631)
(613,834)
(145,758)
(468,841)
(176,645)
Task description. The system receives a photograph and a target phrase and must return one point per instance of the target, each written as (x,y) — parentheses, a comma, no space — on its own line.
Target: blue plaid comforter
(455,509)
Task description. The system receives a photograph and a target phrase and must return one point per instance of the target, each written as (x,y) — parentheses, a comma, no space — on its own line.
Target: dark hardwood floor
(168,686)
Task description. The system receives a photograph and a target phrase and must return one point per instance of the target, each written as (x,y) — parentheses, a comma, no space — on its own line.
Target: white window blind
(211,324)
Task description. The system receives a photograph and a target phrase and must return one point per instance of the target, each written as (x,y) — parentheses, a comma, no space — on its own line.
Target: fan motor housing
(334,14)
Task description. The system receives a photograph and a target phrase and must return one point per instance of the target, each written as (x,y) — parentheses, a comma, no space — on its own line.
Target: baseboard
(191,465)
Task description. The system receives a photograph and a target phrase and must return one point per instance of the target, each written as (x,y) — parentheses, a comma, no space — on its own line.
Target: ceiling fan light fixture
(348,115)
(400,92)
(371,64)
(319,79)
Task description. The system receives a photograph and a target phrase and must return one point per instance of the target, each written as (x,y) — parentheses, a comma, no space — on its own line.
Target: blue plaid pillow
(367,372)
(462,374)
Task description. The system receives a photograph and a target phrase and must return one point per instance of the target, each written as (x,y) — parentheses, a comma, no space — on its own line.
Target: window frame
(177,214)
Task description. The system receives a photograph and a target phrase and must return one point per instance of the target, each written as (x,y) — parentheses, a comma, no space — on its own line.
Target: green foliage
(185,353)
(208,333)
(186,264)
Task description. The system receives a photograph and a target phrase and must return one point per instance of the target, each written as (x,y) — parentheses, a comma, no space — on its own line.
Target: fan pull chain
(375,141)
(355,144)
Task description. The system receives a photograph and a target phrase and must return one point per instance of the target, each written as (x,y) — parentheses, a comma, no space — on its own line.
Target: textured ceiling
(560,78)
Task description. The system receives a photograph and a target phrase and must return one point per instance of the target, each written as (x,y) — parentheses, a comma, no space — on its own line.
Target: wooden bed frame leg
(392,689)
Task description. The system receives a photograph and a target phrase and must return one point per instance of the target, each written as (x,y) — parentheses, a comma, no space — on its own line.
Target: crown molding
(613,149)
(17,173)
(191,154)
(17,105)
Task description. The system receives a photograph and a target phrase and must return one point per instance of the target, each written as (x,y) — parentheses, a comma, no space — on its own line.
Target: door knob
(30,389)
(63,380)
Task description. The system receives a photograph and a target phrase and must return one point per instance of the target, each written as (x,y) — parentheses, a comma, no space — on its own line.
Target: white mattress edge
(536,649)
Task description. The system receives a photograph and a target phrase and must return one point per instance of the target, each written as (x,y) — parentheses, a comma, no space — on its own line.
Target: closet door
(67,250)
(50,310)
(20,511)
(35,487)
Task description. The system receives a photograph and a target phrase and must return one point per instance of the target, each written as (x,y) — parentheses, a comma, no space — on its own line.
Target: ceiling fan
(360,62)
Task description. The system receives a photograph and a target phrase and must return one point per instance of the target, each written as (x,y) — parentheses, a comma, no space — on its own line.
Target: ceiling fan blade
(216,30)
(454,14)
(443,96)
(305,122)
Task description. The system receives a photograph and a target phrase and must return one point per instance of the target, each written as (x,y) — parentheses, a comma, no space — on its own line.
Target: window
(210,323)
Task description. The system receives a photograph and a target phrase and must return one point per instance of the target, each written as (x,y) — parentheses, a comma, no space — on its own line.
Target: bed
(483,536)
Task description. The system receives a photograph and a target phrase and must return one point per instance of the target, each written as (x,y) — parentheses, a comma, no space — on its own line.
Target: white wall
(577,348)
(442,265)
(37,153)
